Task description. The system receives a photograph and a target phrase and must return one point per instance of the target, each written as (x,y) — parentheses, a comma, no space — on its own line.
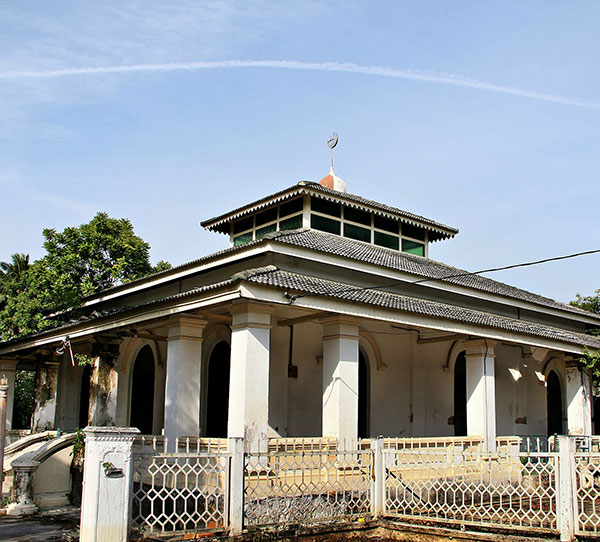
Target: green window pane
(387,224)
(291,207)
(325,224)
(356,215)
(241,239)
(270,215)
(385,240)
(291,223)
(263,231)
(243,224)
(415,232)
(326,207)
(412,247)
(356,232)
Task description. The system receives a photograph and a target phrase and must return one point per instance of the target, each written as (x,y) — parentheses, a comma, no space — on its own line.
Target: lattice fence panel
(472,487)
(186,490)
(587,473)
(306,484)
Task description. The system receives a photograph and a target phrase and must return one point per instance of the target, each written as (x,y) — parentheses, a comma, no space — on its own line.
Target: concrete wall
(52,480)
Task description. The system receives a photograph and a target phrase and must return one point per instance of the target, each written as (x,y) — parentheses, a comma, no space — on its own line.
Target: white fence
(186,489)
(459,483)
(198,485)
(306,480)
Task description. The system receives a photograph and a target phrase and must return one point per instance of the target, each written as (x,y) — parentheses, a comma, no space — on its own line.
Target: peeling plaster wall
(103,394)
(46,382)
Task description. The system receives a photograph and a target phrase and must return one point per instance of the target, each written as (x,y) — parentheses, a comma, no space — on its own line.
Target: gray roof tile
(417,265)
(305,285)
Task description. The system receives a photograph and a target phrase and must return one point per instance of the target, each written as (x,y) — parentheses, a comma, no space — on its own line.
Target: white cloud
(383,71)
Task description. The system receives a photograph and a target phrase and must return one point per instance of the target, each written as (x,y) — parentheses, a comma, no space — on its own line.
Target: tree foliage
(79,261)
(589,302)
(591,359)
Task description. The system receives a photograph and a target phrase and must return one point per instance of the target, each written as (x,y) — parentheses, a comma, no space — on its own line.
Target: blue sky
(481,115)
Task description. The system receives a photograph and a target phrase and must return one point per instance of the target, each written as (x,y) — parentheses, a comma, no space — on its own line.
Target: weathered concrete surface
(57,525)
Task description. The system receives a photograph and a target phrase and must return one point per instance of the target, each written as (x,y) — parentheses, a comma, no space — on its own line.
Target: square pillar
(107,484)
(46,387)
(579,401)
(8,368)
(249,377)
(182,388)
(340,380)
(481,391)
(104,381)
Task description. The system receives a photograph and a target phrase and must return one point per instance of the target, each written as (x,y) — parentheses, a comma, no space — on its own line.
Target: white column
(107,484)
(579,401)
(249,378)
(340,380)
(481,391)
(46,387)
(182,389)
(8,369)
(104,383)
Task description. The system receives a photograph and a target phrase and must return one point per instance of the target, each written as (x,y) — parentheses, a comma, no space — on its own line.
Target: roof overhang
(221,223)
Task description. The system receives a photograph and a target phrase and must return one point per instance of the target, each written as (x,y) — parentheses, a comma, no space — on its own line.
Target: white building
(324,317)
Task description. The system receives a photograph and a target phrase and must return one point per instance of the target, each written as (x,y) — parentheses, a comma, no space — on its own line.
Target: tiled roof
(409,263)
(221,223)
(304,285)
(99,315)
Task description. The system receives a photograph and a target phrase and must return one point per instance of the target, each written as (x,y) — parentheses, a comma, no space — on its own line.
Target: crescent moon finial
(332,141)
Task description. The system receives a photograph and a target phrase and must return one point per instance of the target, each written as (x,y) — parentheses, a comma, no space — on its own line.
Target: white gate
(183,490)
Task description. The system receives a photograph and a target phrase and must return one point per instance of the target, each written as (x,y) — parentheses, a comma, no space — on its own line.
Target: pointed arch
(460,394)
(554,404)
(143,377)
(217,397)
(364,395)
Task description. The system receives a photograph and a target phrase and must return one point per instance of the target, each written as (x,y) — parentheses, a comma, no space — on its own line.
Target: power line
(293,298)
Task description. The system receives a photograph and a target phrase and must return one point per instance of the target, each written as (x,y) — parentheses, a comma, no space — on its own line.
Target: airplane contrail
(409,74)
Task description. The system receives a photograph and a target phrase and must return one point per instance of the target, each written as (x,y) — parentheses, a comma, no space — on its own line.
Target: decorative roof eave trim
(160,308)
(314,189)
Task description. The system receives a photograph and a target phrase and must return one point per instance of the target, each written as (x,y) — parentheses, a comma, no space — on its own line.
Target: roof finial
(331,143)
(331,180)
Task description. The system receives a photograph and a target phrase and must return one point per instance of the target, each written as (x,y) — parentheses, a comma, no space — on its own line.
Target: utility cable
(293,298)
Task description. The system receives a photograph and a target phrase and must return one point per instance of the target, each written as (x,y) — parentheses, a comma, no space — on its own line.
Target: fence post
(107,484)
(236,485)
(566,490)
(378,481)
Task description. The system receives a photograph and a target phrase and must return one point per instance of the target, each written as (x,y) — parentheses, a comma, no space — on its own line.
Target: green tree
(15,269)
(589,302)
(79,261)
(591,359)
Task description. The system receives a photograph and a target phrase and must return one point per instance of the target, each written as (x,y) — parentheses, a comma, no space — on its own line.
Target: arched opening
(217,400)
(554,404)
(364,392)
(84,396)
(142,391)
(460,395)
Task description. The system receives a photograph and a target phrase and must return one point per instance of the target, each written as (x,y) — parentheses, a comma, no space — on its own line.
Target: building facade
(324,317)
